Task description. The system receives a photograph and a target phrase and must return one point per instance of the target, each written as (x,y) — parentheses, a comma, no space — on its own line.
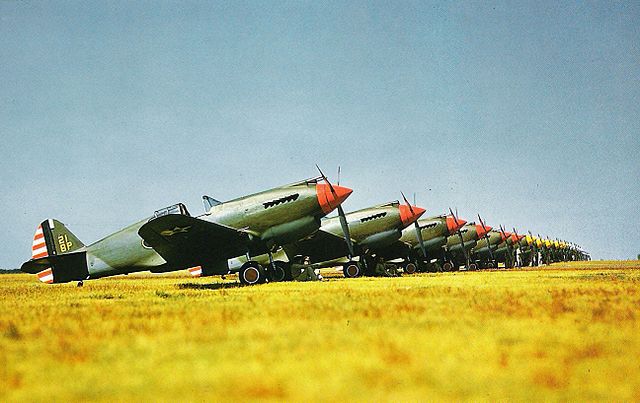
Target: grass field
(562,333)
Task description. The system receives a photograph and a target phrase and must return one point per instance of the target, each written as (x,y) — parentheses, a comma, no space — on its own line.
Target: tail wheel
(252,273)
(351,269)
(447,266)
(279,271)
(410,268)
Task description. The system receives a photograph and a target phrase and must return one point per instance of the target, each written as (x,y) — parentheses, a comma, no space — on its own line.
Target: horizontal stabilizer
(59,269)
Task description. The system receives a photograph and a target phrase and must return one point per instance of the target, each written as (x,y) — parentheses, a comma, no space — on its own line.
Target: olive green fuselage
(270,218)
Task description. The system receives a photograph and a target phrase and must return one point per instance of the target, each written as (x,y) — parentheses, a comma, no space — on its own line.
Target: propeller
(343,218)
(506,240)
(417,226)
(517,237)
(464,250)
(486,236)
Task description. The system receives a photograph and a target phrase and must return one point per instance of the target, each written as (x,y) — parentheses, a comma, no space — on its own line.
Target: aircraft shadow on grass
(210,286)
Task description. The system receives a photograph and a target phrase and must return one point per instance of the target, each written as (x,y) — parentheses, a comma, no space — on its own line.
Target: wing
(320,247)
(185,241)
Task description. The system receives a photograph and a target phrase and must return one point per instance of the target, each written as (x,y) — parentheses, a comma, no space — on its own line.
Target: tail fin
(53,238)
(54,254)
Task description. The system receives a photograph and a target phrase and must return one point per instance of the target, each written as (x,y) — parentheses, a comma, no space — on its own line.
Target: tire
(410,268)
(447,266)
(351,270)
(251,273)
(473,266)
(279,271)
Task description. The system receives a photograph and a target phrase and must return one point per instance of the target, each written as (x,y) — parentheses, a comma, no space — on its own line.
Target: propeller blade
(454,217)
(486,236)
(517,237)
(345,232)
(338,183)
(420,240)
(416,225)
(408,204)
(341,215)
(464,250)
(324,178)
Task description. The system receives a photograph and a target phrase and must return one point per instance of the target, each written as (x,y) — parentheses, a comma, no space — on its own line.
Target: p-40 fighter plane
(458,248)
(357,233)
(172,239)
(418,254)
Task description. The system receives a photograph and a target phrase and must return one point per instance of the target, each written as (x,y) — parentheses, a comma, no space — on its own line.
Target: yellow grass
(565,333)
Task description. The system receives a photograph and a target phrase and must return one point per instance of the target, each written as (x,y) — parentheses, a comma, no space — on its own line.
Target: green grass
(563,333)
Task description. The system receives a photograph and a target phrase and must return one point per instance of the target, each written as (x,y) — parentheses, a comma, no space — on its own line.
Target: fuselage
(270,218)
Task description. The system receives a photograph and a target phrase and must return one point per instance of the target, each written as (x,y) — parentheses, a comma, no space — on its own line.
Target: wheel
(447,266)
(473,266)
(410,268)
(252,273)
(351,269)
(279,271)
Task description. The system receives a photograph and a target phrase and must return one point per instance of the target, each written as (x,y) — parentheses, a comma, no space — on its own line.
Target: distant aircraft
(171,239)
(356,235)
(417,256)
(458,248)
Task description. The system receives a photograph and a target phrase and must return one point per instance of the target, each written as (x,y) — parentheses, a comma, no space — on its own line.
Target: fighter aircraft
(171,239)
(505,252)
(356,235)
(417,256)
(456,251)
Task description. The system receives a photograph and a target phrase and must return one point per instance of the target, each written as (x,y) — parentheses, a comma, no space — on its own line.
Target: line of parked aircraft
(257,235)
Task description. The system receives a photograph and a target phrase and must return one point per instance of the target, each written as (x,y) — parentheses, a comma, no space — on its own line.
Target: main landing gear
(409,267)
(351,269)
(252,272)
(279,271)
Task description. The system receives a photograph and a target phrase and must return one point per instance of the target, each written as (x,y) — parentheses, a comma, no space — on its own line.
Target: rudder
(55,254)
(53,238)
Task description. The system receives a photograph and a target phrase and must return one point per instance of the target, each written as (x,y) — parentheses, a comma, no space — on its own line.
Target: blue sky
(524,112)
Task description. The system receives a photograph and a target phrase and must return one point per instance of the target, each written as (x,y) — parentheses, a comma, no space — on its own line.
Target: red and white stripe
(46,276)
(39,247)
(195,271)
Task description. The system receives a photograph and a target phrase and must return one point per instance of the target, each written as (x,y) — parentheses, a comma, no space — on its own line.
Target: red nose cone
(505,235)
(327,199)
(407,217)
(482,231)
(452,226)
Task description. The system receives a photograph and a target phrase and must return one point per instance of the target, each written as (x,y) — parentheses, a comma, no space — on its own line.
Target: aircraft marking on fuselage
(281,200)
(373,217)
